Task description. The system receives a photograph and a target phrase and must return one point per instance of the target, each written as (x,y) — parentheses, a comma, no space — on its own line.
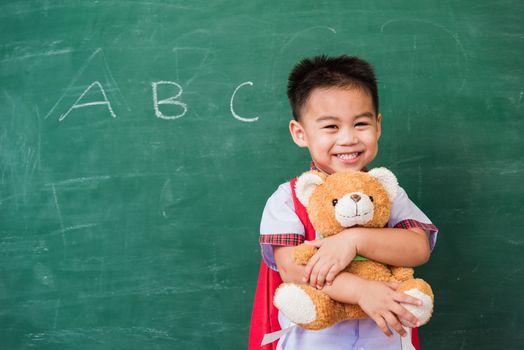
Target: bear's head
(347,199)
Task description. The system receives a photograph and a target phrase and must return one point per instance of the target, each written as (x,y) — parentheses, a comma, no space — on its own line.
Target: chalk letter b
(167,101)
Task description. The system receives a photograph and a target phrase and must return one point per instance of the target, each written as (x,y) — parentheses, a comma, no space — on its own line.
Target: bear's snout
(353,209)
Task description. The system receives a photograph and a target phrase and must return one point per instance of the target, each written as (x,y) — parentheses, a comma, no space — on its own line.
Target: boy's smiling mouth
(348,157)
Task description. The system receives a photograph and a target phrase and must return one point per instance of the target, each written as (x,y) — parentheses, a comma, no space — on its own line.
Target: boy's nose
(346,137)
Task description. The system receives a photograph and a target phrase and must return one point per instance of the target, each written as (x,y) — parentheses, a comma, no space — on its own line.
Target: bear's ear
(306,184)
(387,179)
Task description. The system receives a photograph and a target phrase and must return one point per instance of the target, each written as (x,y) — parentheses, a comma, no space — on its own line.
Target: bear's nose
(355,197)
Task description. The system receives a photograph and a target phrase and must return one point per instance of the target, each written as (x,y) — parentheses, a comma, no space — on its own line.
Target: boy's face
(339,127)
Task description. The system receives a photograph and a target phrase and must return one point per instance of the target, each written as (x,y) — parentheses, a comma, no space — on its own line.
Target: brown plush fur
(322,215)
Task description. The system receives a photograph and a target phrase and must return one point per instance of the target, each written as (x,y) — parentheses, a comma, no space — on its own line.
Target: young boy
(336,116)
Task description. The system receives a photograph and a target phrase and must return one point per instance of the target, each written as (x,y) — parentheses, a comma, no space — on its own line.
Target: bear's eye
(371,198)
(335,201)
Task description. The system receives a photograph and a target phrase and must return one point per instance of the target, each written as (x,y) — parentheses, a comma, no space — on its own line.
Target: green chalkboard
(139,141)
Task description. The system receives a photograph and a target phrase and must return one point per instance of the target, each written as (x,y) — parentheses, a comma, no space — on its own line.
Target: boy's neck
(314,167)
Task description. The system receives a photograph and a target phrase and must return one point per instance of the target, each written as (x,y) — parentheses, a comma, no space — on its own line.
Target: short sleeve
(405,214)
(280,225)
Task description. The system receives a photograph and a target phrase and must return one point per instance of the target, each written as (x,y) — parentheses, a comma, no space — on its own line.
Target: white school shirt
(278,219)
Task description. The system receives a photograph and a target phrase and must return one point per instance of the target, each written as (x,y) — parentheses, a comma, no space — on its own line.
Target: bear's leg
(401,274)
(354,312)
(308,307)
(418,288)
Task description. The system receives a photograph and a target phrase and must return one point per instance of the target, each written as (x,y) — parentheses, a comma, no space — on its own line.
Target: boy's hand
(333,255)
(381,302)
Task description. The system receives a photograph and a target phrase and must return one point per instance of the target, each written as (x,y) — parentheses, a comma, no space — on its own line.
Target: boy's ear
(379,126)
(306,184)
(298,133)
(388,180)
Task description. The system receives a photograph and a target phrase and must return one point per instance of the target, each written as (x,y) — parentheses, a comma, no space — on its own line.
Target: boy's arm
(391,246)
(379,300)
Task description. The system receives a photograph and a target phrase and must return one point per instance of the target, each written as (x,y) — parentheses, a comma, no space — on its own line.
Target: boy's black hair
(323,72)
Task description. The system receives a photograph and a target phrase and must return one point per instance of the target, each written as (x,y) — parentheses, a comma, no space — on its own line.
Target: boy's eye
(332,126)
(335,201)
(361,124)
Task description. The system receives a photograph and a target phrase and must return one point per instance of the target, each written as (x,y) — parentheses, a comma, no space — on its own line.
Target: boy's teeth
(347,155)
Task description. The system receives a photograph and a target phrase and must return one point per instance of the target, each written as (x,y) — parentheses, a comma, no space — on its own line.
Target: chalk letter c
(247,120)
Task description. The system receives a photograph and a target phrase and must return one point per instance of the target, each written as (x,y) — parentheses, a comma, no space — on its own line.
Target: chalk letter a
(94,103)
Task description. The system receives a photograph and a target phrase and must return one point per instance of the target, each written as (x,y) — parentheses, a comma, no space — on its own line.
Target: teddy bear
(336,202)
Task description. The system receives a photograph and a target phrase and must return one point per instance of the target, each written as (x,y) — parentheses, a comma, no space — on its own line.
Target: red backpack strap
(415,339)
(302,214)
(264,318)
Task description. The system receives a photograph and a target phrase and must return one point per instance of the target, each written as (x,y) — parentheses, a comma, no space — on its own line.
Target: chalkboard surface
(139,141)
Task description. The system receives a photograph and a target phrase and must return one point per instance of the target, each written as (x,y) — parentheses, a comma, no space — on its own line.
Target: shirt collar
(312,166)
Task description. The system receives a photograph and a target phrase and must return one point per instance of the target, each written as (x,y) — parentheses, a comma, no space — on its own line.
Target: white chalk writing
(168,101)
(247,120)
(76,105)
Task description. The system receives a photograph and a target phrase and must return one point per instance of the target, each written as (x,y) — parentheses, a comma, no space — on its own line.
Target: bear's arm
(289,270)
(302,253)
(346,287)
